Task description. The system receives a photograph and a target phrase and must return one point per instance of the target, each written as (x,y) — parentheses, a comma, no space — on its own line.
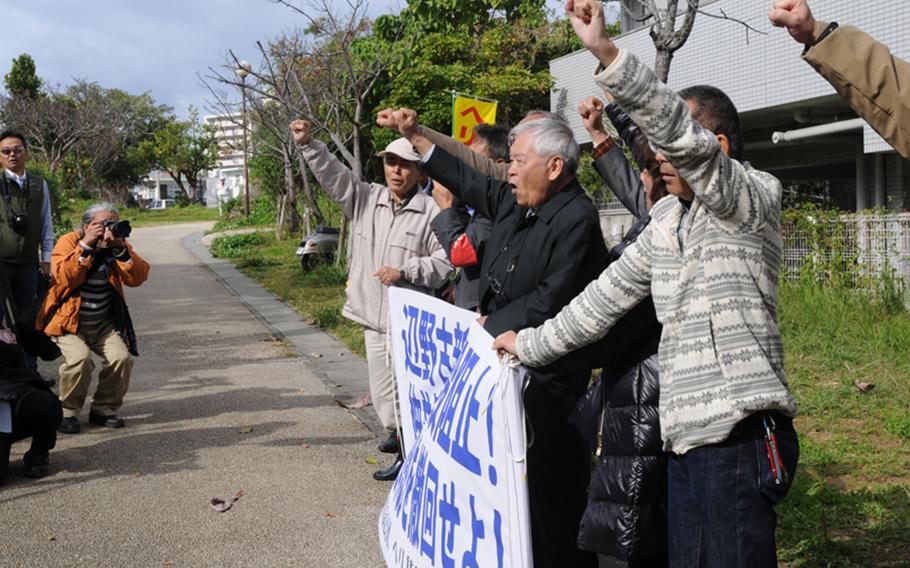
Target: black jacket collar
(552,206)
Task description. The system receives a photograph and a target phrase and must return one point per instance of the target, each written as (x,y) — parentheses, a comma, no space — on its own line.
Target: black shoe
(391,472)
(50,382)
(69,426)
(110,421)
(36,465)
(391,444)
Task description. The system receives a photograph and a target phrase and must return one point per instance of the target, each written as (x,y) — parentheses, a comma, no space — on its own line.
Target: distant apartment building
(795,125)
(226,180)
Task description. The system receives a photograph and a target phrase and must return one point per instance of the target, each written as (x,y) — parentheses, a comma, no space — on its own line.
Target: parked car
(318,247)
(159,204)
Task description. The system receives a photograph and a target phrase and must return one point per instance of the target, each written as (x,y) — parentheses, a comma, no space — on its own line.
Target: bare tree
(667,37)
(55,123)
(90,130)
(326,73)
(271,107)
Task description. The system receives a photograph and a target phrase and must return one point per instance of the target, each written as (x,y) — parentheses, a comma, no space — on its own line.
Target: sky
(157,46)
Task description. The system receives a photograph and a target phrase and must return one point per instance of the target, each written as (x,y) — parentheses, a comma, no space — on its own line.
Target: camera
(120,229)
(19,223)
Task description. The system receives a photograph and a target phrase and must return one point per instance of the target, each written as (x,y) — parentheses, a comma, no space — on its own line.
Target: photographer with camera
(25,224)
(85,312)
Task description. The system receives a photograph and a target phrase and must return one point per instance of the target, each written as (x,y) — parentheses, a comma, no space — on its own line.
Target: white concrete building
(776,91)
(227,178)
(157,185)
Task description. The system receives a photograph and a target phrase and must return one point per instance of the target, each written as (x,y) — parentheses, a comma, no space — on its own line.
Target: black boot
(391,445)
(36,464)
(391,472)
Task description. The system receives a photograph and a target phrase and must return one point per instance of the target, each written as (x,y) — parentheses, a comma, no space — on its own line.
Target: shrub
(263,211)
(237,246)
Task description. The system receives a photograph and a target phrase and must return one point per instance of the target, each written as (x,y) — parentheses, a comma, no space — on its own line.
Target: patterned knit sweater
(720,352)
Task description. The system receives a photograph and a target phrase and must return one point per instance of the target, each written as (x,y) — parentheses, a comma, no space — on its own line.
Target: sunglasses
(12,150)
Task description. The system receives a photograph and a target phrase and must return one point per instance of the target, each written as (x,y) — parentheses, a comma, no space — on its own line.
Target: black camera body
(120,229)
(19,223)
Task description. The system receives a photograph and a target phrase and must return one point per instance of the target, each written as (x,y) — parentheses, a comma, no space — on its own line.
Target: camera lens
(19,223)
(120,229)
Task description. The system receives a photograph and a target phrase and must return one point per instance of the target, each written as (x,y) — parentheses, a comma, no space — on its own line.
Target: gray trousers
(382,383)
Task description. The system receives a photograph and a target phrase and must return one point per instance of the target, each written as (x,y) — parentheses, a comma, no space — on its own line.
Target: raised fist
(591,111)
(406,119)
(587,18)
(300,129)
(796,16)
(386,118)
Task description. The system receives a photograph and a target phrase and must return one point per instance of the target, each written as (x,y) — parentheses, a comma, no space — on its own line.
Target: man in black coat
(546,246)
(28,408)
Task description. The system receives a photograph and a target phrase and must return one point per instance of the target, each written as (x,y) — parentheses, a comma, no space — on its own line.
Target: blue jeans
(721,498)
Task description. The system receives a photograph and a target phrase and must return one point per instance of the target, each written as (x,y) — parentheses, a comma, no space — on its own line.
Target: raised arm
(623,180)
(610,161)
(477,161)
(47,229)
(484,193)
(338,181)
(742,202)
(862,70)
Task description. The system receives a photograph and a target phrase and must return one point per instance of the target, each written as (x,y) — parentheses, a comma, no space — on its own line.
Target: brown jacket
(484,165)
(380,238)
(874,82)
(70,270)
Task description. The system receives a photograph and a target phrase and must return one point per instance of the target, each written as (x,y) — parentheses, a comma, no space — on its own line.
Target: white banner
(461,498)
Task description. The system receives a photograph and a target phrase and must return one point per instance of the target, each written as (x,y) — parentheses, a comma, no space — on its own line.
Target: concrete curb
(343,373)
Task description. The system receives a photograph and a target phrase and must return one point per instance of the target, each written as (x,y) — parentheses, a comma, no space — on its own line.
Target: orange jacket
(70,270)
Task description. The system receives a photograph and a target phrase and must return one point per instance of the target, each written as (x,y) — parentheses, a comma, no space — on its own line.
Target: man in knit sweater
(710,258)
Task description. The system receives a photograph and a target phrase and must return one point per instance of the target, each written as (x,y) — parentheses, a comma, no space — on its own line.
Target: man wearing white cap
(392,245)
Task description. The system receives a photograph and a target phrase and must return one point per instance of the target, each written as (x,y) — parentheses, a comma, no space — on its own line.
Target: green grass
(71,214)
(318,295)
(174,215)
(850,505)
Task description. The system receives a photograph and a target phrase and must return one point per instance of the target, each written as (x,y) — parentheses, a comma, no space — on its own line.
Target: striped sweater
(721,353)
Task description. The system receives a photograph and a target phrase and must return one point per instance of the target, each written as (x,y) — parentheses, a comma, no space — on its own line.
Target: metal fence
(862,248)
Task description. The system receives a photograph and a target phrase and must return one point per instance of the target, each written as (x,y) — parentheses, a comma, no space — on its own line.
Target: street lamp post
(243,69)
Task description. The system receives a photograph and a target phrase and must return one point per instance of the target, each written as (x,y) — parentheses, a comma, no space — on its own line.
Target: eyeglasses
(12,150)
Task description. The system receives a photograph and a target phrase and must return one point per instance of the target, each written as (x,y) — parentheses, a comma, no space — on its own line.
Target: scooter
(318,247)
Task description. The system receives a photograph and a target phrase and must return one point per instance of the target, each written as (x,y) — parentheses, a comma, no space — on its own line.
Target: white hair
(551,138)
(544,114)
(95,208)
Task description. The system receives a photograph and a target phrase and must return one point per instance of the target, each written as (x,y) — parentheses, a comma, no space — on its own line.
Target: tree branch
(724,16)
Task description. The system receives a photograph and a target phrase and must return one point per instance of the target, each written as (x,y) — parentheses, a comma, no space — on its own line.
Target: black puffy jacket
(626,516)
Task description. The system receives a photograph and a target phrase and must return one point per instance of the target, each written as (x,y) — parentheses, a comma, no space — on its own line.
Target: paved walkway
(216,405)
